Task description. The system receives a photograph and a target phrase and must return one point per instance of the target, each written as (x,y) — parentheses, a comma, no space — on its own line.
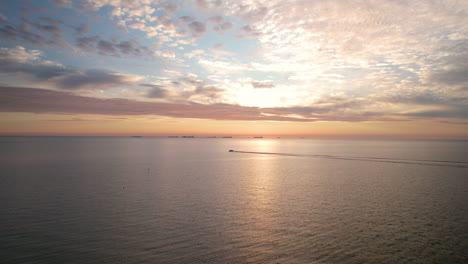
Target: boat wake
(443,163)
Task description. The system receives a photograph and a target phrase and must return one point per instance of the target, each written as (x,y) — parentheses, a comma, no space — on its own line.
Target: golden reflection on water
(263,178)
(260,206)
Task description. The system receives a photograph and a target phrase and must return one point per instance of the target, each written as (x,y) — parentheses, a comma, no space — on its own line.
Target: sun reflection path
(261,204)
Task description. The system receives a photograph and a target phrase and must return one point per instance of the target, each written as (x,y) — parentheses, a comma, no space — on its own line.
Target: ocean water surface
(176,200)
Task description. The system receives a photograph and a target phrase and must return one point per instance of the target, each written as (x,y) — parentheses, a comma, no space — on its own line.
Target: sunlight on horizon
(351,64)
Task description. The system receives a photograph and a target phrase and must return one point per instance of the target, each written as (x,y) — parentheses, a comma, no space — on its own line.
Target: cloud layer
(334,108)
(330,60)
(30,100)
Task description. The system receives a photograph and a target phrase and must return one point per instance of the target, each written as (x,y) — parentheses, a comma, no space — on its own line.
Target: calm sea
(175,200)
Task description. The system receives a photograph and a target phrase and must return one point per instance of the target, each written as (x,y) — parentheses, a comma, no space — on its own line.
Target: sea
(232,200)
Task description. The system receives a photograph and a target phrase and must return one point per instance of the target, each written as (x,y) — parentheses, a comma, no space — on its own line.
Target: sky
(272,68)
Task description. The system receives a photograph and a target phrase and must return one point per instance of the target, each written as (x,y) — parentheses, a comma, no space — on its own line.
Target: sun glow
(262,97)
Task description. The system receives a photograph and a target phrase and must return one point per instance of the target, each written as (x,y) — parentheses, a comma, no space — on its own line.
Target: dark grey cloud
(303,110)
(436,103)
(186,19)
(112,48)
(45,35)
(439,99)
(43,31)
(336,108)
(339,101)
(51,21)
(34,70)
(220,24)
(223,27)
(421,97)
(38,71)
(47,28)
(453,122)
(106,47)
(249,31)
(451,69)
(247,28)
(156,91)
(168,22)
(170,8)
(91,79)
(47,31)
(126,47)
(190,80)
(226,26)
(81,29)
(203,4)
(215,19)
(75,119)
(210,91)
(3,19)
(87,43)
(21,33)
(260,85)
(198,28)
(198,87)
(62,3)
(451,77)
(455,111)
(255,14)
